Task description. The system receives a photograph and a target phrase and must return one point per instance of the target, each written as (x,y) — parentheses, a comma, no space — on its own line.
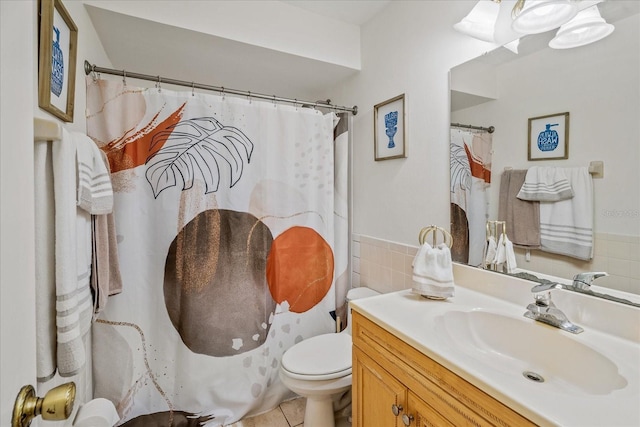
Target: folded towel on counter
(566,226)
(545,184)
(522,217)
(433,272)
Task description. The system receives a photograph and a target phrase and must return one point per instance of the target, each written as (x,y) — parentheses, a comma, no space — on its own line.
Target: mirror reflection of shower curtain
(470,168)
(224,211)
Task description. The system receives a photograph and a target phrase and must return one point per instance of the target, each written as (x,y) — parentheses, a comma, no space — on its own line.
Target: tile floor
(288,414)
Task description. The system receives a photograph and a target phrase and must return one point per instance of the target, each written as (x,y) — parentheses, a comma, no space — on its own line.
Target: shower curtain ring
(222,93)
(295,103)
(94,75)
(249,96)
(193,89)
(124,78)
(158,84)
(274,101)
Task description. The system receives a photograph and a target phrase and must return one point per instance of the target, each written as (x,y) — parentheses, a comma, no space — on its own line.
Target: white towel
(95,194)
(505,254)
(433,272)
(491,251)
(45,263)
(545,184)
(73,259)
(566,226)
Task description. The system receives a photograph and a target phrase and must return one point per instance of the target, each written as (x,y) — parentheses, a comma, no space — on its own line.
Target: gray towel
(105,267)
(522,216)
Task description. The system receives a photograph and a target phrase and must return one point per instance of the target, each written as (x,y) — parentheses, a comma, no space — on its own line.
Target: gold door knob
(56,405)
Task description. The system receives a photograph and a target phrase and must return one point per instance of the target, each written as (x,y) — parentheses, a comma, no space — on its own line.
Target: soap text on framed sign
(549,137)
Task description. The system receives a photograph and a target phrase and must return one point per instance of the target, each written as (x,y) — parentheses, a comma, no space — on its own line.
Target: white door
(17,268)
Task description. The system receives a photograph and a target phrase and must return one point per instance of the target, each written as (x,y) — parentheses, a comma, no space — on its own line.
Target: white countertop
(414,319)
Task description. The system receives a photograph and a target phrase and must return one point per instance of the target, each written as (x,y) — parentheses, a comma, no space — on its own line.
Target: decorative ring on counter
(447,238)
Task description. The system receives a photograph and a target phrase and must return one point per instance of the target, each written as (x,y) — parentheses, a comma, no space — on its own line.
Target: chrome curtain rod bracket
(489,129)
(92,68)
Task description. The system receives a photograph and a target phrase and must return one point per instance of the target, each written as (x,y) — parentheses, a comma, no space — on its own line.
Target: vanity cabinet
(394,384)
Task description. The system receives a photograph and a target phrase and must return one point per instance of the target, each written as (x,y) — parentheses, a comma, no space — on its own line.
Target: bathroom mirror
(598,86)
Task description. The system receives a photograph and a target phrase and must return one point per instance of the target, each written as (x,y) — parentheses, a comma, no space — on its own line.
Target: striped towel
(545,184)
(566,226)
(433,272)
(72,260)
(95,194)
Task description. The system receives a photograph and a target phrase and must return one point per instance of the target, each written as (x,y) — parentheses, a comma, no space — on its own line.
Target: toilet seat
(322,357)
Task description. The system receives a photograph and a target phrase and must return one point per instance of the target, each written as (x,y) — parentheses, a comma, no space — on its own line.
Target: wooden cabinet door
(423,414)
(375,393)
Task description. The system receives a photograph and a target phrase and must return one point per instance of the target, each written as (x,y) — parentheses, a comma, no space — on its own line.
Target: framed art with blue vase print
(549,137)
(57,60)
(389,129)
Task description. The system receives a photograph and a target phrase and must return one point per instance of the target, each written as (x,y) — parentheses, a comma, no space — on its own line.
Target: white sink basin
(516,346)
(480,334)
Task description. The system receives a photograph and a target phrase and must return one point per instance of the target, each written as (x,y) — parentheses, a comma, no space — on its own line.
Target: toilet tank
(357,293)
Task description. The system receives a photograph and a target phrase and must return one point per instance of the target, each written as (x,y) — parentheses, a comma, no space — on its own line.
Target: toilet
(319,368)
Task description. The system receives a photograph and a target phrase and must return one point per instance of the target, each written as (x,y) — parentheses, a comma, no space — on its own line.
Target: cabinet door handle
(406,419)
(396,409)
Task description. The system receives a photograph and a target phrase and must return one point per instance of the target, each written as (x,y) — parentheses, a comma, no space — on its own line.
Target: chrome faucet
(582,284)
(584,280)
(544,310)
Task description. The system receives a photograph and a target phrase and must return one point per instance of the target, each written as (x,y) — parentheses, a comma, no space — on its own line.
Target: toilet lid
(320,355)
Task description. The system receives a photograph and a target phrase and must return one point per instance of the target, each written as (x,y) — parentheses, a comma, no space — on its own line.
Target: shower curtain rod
(490,129)
(89,68)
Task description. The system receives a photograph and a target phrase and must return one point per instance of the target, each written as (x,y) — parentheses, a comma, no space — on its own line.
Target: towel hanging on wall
(545,184)
(566,226)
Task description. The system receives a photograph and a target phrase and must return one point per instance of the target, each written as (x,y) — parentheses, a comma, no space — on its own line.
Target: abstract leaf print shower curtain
(470,168)
(224,213)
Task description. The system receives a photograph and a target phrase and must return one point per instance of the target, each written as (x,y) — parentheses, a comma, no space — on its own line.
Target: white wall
(407,48)
(264,23)
(17,277)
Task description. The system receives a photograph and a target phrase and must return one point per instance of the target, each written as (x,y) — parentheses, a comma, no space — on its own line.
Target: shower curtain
(470,168)
(226,225)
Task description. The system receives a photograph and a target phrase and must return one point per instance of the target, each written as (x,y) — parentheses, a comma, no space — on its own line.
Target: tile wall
(386,266)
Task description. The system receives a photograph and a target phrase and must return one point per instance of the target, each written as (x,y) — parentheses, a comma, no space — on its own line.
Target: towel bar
(424,233)
(596,168)
(46,130)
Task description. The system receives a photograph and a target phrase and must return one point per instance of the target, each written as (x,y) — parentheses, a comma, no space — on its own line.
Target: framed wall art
(389,129)
(549,137)
(58,41)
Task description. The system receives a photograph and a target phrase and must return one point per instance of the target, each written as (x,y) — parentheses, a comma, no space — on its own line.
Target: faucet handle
(584,280)
(543,287)
(543,299)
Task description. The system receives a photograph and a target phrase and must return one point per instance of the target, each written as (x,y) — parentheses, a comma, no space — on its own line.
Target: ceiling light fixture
(538,16)
(481,21)
(587,27)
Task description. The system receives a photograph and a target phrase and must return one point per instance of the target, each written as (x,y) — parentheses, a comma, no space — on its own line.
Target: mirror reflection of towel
(522,216)
(545,184)
(505,254)
(566,226)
